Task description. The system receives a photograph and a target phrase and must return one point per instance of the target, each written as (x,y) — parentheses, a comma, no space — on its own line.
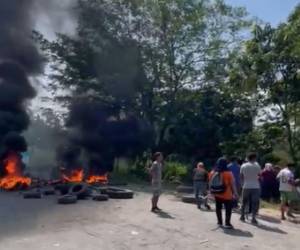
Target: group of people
(229,180)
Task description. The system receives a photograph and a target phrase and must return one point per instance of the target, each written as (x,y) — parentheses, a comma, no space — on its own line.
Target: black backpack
(216,184)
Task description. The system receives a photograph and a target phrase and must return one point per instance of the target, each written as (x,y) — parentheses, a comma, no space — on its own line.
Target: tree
(270,67)
(177,42)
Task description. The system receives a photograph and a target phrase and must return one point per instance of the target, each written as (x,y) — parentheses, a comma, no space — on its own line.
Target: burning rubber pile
(73,188)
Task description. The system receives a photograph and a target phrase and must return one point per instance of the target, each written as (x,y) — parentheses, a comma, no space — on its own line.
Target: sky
(271,11)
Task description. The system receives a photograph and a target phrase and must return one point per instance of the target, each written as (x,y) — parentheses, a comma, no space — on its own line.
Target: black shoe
(158,209)
(254,221)
(220,224)
(242,219)
(207,207)
(228,226)
(199,206)
(154,210)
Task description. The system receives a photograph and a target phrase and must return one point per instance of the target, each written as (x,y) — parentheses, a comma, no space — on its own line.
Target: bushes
(174,171)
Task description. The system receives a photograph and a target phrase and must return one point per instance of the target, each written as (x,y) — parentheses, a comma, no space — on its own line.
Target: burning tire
(67,199)
(189,199)
(100,197)
(119,194)
(80,190)
(32,195)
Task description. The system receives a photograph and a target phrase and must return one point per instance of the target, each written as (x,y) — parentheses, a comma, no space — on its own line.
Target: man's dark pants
(251,197)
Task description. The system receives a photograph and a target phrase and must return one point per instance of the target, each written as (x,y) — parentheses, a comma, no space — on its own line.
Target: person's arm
(153,169)
(233,187)
(291,180)
(242,178)
(279,175)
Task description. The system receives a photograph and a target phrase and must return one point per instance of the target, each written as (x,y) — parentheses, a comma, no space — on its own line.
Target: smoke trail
(19,60)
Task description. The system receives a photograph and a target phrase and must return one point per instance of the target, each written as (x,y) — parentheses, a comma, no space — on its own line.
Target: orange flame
(13,177)
(97,179)
(75,176)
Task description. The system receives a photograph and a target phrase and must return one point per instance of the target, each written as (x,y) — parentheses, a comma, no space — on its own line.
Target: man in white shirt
(250,172)
(286,188)
(156,174)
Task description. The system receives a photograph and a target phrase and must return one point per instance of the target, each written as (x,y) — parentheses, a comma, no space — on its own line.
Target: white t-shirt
(285,176)
(250,172)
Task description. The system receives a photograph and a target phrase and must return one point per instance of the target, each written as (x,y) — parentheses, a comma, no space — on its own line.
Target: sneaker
(242,219)
(228,226)
(254,221)
(158,209)
(220,224)
(283,218)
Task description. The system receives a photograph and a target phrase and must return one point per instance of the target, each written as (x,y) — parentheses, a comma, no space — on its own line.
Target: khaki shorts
(286,197)
(156,189)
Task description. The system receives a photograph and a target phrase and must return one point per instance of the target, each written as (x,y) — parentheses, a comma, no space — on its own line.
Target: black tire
(100,197)
(189,199)
(80,190)
(185,189)
(32,195)
(120,194)
(63,188)
(49,192)
(67,199)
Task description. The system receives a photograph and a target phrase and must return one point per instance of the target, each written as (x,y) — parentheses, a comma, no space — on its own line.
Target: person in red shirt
(227,197)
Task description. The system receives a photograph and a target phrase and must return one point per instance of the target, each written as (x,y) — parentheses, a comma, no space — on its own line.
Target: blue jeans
(200,190)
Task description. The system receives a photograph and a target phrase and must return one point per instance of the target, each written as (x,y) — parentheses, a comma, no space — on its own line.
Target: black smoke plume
(103,136)
(19,60)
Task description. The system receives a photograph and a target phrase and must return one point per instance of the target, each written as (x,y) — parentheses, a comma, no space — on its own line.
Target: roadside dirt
(129,224)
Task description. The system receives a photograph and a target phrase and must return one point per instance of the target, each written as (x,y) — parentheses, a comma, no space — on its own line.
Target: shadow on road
(164,215)
(270,229)
(269,219)
(238,233)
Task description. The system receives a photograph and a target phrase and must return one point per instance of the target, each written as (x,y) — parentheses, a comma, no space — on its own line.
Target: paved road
(128,224)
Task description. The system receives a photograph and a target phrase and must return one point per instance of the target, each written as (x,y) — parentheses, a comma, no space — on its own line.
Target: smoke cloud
(19,60)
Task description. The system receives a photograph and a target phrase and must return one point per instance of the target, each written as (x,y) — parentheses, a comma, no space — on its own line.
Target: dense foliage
(183,66)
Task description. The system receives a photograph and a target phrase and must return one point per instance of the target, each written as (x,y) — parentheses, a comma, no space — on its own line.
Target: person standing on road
(268,182)
(222,186)
(286,188)
(250,172)
(235,168)
(200,178)
(156,176)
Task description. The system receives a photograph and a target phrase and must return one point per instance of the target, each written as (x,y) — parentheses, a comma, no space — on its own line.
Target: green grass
(269,205)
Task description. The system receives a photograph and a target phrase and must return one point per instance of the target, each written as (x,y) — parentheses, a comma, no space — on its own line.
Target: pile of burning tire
(71,193)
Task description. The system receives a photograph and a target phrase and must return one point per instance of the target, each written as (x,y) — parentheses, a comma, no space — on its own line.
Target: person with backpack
(223,188)
(200,178)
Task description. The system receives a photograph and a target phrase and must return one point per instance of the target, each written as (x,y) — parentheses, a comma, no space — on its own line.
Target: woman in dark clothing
(268,182)
(230,193)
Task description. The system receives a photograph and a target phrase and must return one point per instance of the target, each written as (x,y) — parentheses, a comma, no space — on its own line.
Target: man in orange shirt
(227,195)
